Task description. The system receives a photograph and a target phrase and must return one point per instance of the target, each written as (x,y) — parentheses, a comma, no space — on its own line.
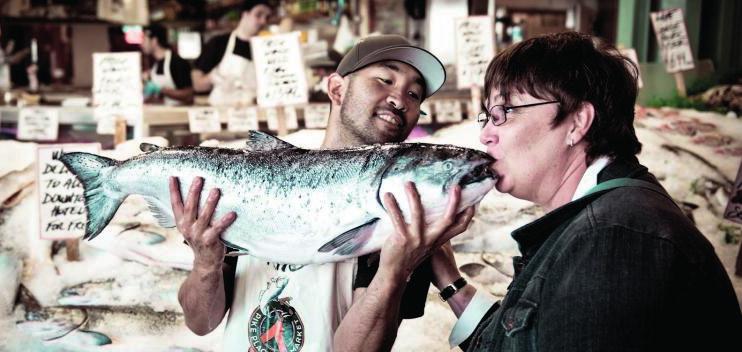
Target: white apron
(237,84)
(165,80)
(280,307)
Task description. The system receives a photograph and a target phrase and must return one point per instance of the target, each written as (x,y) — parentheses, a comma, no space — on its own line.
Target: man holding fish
(354,304)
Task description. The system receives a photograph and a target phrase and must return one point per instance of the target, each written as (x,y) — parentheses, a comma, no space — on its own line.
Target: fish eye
(447,166)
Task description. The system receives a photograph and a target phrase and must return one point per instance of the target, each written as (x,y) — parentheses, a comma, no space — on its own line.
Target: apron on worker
(238,84)
(282,307)
(165,80)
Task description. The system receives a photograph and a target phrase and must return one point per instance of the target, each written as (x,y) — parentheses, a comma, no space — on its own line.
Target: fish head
(435,169)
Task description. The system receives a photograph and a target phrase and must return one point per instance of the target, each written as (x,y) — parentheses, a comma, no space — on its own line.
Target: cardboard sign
(204,120)
(733,211)
(279,69)
(669,27)
(117,89)
(289,113)
(38,124)
(242,120)
(316,115)
(631,55)
(475,48)
(62,213)
(189,44)
(447,111)
(428,118)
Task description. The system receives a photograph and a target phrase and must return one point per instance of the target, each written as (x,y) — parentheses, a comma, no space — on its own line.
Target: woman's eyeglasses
(498,114)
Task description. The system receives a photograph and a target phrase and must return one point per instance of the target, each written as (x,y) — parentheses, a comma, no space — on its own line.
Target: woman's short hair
(574,68)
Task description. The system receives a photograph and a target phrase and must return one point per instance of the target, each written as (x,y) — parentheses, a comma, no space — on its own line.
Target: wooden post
(281,117)
(680,83)
(476,101)
(119,135)
(72,247)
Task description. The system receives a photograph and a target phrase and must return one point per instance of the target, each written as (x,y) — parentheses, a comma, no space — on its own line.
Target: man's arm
(183,95)
(201,81)
(201,295)
(372,321)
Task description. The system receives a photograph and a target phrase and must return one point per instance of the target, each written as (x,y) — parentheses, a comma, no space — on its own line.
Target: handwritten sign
(734,208)
(62,213)
(242,120)
(289,113)
(316,115)
(475,48)
(447,110)
(669,27)
(631,55)
(204,120)
(426,119)
(117,89)
(189,44)
(280,70)
(40,124)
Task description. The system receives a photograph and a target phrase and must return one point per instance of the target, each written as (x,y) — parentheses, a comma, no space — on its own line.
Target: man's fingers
(416,211)
(194,197)
(221,225)
(176,201)
(392,208)
(454,197)
(460,225)
(204,218)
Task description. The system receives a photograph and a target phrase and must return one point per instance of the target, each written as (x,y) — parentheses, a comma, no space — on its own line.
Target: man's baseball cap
(377,48)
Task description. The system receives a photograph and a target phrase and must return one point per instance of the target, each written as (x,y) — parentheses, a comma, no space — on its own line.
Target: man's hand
(412,243)
(197,229)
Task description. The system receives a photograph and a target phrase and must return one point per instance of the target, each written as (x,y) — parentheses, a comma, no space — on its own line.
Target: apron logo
(274,324)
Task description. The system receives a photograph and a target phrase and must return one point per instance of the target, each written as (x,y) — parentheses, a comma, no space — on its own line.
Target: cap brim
(427,65)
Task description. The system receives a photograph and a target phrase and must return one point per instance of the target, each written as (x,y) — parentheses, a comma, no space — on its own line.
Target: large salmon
(293,205)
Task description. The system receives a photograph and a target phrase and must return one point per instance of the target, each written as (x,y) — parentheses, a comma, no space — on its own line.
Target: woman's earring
(571,143)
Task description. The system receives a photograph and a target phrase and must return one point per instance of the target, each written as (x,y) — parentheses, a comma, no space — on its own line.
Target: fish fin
(92,171)
(261,141)
(349,241)
(162,214)
(148,147)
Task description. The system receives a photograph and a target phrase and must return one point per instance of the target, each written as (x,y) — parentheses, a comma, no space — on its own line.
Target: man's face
(256,18)
(381,103)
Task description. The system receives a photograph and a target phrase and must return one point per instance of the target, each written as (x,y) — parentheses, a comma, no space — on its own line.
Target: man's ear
(336,88)
(582,119)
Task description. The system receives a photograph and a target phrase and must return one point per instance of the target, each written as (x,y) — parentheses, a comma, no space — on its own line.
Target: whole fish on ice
(293,205)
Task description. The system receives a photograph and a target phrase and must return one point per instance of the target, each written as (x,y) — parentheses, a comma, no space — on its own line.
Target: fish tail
(93,172)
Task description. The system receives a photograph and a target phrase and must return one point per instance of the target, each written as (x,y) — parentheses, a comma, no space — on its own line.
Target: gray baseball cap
(377,48)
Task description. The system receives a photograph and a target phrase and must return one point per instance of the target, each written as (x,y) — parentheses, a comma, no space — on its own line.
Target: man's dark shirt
(214,50)
(180,70)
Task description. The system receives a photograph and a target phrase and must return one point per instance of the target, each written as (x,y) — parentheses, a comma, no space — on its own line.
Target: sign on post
(280,70)
(316,115)
(62,213)
(475,47)
(38,124)
(272,115)
(669,27)
(242,120)
(117,89)
(204,120)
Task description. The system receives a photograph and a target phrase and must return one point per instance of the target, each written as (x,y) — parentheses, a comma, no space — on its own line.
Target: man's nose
(396,101)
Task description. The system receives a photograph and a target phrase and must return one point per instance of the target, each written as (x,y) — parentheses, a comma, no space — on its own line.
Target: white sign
(61,201)
(475,47)
(117,89)
(289,113)
(279,69)
(631,55)
(189,45)
(447,110)
(669,27)
(204,120)
(242,120)
(316,115)
(428,117)
(39,124)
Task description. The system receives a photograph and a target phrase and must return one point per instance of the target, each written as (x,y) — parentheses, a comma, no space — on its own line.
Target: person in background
(169,78)
(225,65)
(614,265)
(17,66)
(354,305)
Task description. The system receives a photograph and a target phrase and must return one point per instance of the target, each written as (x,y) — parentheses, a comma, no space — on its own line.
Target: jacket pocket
(519,317)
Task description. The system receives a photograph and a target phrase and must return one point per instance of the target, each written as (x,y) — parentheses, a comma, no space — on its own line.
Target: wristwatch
(451,289)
